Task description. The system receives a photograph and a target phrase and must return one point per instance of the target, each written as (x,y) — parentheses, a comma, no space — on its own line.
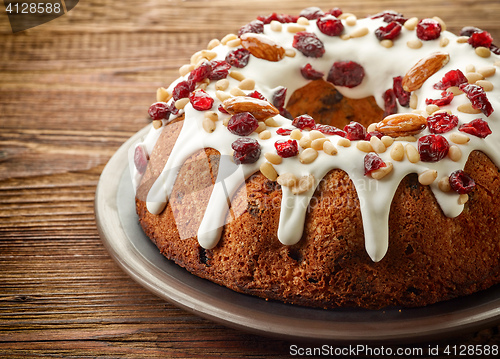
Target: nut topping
(262,47)
(400,125)
(424,69)
(260,109)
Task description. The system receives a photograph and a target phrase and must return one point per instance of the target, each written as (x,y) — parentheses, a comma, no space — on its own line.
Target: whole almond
(402,124)
(260,109)
(262,47)
(424,69)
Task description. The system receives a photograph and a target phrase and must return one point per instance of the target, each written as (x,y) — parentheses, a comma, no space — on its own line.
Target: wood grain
(71,92)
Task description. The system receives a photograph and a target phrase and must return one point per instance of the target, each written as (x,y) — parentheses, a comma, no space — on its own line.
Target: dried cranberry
(304,122)
(238,58)
(346,73)
(446,98)
(373,134)
(330,25)
(220,70)
(309,73)
(222,109)
(329,130)
(256,27)
(373,162)
(201,101)
(480,38)
(284,131)
(477,127)
(355,131)
(283,18)
(242,124)
(495,49)
(309,44)
(200,73)
(141,159)
(478,98)
(159,111)
(390,16)
(389,32)
(287,149)
(279,97)
(441,122)
(390,105)
(246,150)
(256,94)
(451,78)
(336,11)
(428,29)
(174,111)
(461,182)
(312,13)
(402,95)
(182,90)
(432,148)
(469,30)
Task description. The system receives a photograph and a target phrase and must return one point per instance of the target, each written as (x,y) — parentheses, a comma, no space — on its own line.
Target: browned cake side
(430,257)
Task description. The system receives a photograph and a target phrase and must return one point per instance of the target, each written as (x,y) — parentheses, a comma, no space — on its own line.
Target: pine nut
(315,134)
(222,85)
(444,184)
(302,21)
(382,172)
(430,109)
(441,22)
(290,53)
(372,127)
(398,152)
(233,43)
(162,95)
(304,185)
(363,31)
(274,158)
(262,127)
(427,177)
(265,135)
(455,90)
(271,122)
(305,142)
(329,148)
(411,23)
(454,153)
(387,43)
(406,138)
(237,75)
(213,44)
(308,155)
(467,108)
(470,68)
(185,69)
(462,39)
(387,141)
(444,42)
(208,125)
(227,38)
(485,84)
(412,153)
(472,77)
(463,199)
(181,103)
(317,144)
(157,124)
(377,145)
(236,91)
(247,84)
(459,138)
(487,71)
(364,146)
(222,96)
(294,28)
(268,171)
(212,116)
(287,180)
(276,26)
(296,134)
(344,142)
(413,101)
(414,44)
(483,52)
(351,20)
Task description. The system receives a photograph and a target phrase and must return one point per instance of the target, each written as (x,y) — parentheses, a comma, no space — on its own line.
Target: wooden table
(71,92)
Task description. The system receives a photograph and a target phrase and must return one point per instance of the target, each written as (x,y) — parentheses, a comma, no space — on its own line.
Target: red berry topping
(390,16)
(183,89)
(428,29)
(283,18)
(469,30)
(238,58)
(451,78)
(141,159)
(311,13)
(222,109)
(441,122)
(257,95)
(256,27)
(402,95)
(287,149)
(432,148)
(201,101)
(329,130)
(200,73)
(309,73)
(346,73)
(246,150)
(355,131)
(309,44)
(284,131)
(461,182)
(389,32)
(330,25)
(242,124)
(446,98)
(480,38)
(373,162)
(336,11)
(304,122)
(220,70)
(279,98)
(159,111)
(390,105)
(477,127)
(373,134)
(478,98)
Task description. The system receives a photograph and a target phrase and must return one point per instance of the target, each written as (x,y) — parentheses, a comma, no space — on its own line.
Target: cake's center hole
(320,100)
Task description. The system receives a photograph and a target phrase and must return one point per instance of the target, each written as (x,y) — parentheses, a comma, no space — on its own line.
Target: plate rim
(129,258)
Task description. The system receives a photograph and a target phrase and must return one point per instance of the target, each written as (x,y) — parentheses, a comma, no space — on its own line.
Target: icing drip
(381,64)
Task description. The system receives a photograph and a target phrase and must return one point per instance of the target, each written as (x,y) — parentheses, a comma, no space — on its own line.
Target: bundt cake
(327,160)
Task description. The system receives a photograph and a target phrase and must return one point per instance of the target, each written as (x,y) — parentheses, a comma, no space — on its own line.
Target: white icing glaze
(381,64)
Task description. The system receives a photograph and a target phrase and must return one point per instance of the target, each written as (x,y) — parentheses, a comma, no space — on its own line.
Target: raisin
(346,73)
(309,44)
(355,131)
(441,122)
(329,130)
(428,29)
(159,111)
(201,101)
(238,58)
(446,98)
(402,95)
(330,25)
(373,162)
(304,122)
(389,32)
(477,127)
(220,70)
(480,38)
(242,124)
(256,27)
(390,105)
(246,150)
(478,98)
(309,73)
(461,182)
(451,78)
(432,148)
(287,149)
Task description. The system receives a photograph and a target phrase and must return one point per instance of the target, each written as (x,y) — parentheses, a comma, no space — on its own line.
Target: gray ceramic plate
(139,257)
